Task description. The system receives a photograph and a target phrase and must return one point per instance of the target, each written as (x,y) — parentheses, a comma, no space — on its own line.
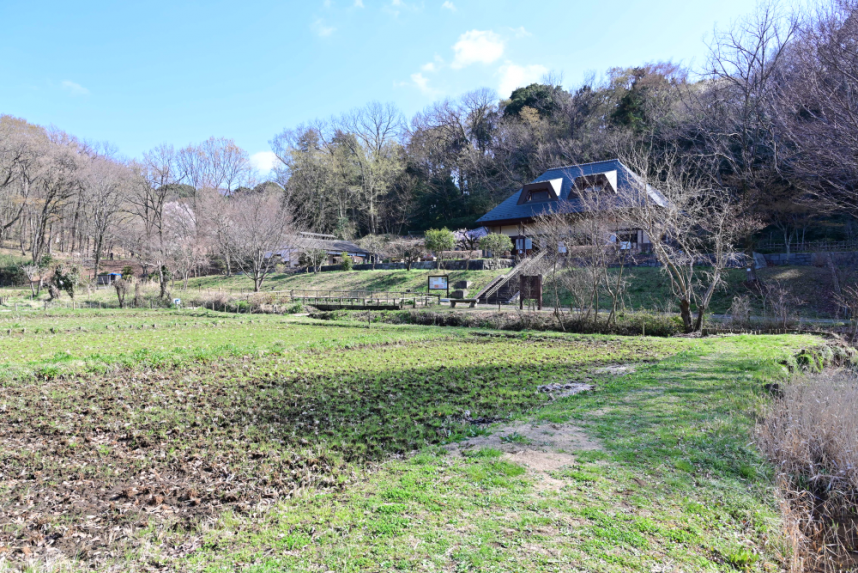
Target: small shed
(107,278)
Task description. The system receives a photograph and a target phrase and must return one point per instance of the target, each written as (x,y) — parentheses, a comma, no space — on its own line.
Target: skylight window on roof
(597,183)
(538,196)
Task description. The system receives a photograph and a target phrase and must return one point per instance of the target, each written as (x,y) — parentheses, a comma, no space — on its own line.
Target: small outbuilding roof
(332,246)
(559,183)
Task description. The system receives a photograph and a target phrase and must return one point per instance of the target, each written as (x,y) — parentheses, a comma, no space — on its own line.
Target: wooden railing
(363,298)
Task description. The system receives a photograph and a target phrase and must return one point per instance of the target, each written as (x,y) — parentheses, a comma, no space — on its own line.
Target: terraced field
(199,441)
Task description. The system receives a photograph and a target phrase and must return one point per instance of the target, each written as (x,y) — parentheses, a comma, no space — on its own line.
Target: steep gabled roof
(629,186)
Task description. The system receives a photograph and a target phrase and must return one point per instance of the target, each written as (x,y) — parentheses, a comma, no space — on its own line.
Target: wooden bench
(472,302)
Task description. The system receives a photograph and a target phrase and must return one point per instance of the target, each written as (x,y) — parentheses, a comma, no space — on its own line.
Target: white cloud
(421,82)
(358,3)
(483,47)
(520,32)
(321,29)
(396,3)
(514,76)
(264,161)
(429,67)
(449,6)
(74,89)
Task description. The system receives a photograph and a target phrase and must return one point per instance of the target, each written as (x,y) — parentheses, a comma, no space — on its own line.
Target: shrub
(438,241)
(740,311)
(809,436)
(127,272)
(347,262)
(496,243)
(65,278)
(626,325)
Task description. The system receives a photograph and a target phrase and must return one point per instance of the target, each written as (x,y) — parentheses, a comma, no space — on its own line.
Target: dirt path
(539,447)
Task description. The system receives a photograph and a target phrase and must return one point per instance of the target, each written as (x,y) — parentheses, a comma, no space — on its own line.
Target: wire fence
(808,246)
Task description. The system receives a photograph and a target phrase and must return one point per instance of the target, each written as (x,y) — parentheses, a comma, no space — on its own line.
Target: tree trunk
(685,313)
(698,324)
(98,244)
(163,281)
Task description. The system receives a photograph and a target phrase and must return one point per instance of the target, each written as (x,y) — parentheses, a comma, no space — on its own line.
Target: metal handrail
(525,264)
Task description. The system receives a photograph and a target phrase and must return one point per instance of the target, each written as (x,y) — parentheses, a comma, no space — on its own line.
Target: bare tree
(745,66)
(259,226)
(59,179)
(21,144)
(313,258)
(819,105)
(371,135)
(375,244)
(185,247)
(407,250)
(216,163)
(105,188)
(693,229)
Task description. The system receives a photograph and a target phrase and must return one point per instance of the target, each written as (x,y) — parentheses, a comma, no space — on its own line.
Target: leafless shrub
(810,436)
(848,300)
(740,311)
(121,286)
(781,304)
(138,296)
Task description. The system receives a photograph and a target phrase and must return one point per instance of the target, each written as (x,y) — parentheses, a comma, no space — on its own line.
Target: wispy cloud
(321,29)
(477,47)
(74,89)
(422,82)
(264,161)
(358,3)
(449,6)
(513,76)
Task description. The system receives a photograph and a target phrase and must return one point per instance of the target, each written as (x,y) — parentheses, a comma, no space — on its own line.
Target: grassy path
(676,486)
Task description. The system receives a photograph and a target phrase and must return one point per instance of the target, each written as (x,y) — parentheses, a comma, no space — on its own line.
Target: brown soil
(541,448)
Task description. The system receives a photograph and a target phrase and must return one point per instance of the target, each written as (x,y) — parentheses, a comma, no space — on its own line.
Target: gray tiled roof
(628,188)
(333,246)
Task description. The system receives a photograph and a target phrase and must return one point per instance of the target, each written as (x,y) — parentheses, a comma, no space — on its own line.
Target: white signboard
(177,301)
(437,283)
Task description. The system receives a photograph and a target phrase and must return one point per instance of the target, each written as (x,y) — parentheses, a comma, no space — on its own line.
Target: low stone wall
(472,265)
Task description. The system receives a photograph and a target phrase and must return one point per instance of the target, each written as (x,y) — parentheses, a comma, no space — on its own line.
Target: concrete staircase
(505,288)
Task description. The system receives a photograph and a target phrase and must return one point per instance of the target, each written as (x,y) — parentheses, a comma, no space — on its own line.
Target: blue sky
(139,74)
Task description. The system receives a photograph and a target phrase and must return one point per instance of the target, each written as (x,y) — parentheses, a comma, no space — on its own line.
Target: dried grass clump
(811,436)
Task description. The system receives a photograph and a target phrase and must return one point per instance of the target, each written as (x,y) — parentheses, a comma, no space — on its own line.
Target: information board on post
(439,282)
(530,289)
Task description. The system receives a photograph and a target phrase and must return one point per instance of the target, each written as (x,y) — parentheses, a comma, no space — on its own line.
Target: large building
(559,190)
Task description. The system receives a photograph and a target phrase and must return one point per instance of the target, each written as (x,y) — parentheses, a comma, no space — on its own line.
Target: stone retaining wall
(472,265)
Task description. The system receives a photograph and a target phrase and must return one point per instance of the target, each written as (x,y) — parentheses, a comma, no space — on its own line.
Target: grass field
(199,441)
(648,288)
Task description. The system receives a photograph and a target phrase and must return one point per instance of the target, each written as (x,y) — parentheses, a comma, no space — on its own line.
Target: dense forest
(771,119)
